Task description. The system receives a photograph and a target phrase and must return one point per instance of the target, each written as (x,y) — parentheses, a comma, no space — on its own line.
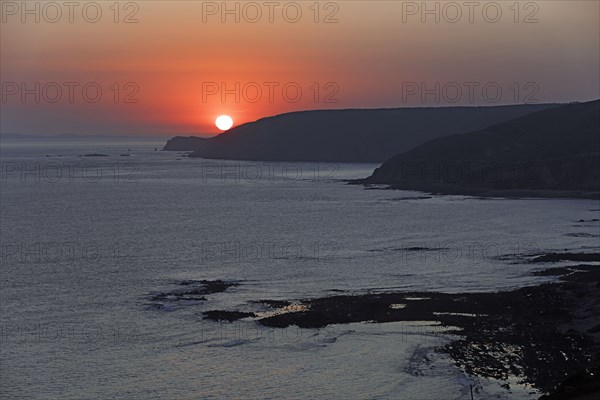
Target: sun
(224,122)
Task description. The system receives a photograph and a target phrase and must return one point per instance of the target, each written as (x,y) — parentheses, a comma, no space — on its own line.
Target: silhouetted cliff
(346,135)
(553,149)
(184,143)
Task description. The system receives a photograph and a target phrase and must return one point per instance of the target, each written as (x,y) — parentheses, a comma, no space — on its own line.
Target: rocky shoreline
(541,334)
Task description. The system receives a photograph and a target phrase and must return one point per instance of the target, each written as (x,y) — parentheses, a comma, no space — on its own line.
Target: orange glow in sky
(172,67)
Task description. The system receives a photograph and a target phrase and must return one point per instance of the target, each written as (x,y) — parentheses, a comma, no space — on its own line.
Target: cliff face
(346,135)
(184,143)
(553,149)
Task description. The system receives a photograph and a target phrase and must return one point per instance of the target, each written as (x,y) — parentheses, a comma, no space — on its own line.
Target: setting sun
(249,181)
(224,122)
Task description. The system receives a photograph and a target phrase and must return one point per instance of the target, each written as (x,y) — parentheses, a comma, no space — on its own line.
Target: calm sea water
(86,241)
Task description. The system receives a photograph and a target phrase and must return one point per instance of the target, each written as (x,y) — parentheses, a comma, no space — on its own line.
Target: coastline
(542,335)
(484,192)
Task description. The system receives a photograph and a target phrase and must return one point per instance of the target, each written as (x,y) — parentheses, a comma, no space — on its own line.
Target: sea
(92,230)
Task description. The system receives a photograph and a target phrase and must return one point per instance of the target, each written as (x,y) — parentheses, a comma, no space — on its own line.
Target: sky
(164,68)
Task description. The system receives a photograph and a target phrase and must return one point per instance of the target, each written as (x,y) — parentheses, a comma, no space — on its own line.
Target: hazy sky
(171,67)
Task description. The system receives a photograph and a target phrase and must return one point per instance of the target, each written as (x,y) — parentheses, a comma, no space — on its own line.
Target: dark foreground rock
(583,385)
(229,316)
(273,303)
(210,287)
(543,335)
(195,290)
(540,334)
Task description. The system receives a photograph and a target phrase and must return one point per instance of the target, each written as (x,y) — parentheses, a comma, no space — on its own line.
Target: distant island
(355,135)
(549,153)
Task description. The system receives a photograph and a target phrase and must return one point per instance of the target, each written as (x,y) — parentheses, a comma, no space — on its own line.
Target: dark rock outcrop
(229,316)
(540,334)
(582,385)
(195,290)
